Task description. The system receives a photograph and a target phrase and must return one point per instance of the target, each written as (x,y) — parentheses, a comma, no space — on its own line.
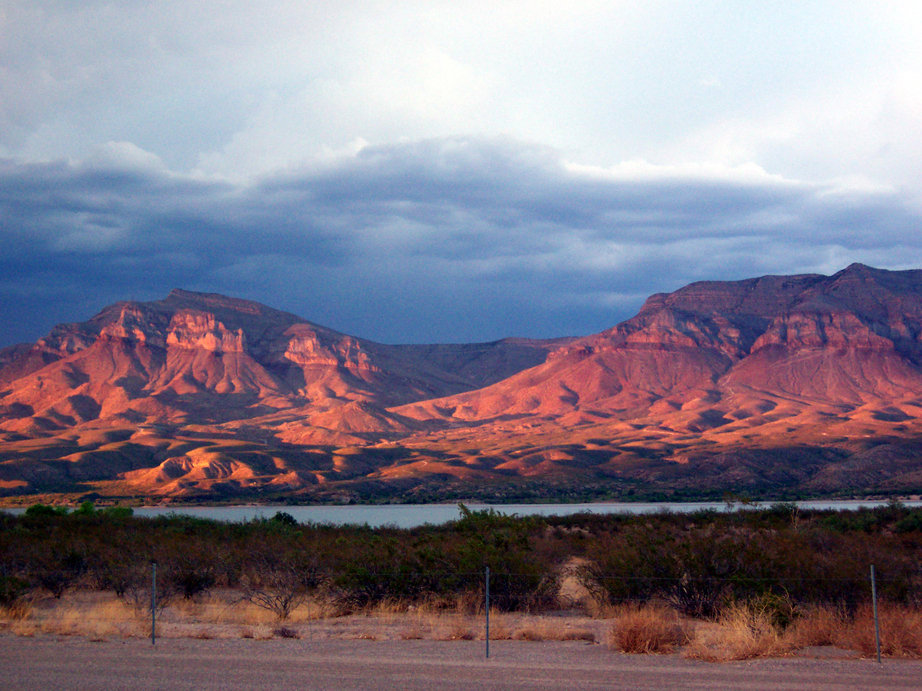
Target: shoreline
(408,516)
(73,500)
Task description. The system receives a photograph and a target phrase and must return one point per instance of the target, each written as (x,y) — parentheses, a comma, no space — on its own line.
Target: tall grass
(740,632)
(900,631)
(747,630)
(95,619)
(647,629)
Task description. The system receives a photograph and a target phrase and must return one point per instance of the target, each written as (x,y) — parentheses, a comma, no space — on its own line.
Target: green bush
(12,589)
(45,511)
(696,562)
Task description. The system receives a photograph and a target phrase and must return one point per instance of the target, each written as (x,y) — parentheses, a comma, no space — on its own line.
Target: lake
(412,515)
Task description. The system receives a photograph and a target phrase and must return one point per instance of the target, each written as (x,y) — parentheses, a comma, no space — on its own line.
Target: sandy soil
(79,663)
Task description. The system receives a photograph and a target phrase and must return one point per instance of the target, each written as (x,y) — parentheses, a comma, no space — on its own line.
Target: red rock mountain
(803,383)
(846,341)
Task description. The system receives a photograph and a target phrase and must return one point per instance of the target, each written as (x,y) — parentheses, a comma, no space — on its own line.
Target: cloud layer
(450,239)
(433,171)
(817,90)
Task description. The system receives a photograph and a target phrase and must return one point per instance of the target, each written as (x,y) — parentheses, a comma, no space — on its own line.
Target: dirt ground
(54,661)
(93,640)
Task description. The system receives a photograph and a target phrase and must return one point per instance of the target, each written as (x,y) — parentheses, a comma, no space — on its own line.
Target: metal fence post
(876,620)
(153,603)
(487,602)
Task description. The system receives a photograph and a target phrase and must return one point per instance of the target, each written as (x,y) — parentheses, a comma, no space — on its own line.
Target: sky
(448,172)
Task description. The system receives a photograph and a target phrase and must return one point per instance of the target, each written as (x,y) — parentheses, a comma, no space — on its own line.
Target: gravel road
(77,663)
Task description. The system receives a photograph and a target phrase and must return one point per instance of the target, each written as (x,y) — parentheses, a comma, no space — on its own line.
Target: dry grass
(286,632)
(20,609)
(551,629)
(461,631)
(227,608)
(94,618)
(741,632)
(646,629)
(450,626)
(745,631)
(817,626)
(502,626)
(900,632)
(455,626)
(469,603)
(411,633)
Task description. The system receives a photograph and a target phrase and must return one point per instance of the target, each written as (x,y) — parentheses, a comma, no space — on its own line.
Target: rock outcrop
(780,381)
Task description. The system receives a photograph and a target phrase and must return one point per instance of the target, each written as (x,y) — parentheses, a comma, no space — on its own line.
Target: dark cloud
(455,239)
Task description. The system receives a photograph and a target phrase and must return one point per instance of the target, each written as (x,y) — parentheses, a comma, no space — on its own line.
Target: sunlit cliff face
(202,393)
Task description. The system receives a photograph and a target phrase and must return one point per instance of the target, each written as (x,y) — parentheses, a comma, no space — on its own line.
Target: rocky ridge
(781,383)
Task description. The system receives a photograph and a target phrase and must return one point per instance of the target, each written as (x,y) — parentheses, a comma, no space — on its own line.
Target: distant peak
(181,293)
(181,297)
(862,272)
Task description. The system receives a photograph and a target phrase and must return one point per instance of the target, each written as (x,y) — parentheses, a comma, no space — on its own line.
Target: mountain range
(776,386)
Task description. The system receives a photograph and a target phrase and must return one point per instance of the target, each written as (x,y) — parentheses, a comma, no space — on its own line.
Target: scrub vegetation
(717,585)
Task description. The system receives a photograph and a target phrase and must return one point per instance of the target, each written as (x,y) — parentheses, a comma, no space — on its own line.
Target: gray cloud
(451,239)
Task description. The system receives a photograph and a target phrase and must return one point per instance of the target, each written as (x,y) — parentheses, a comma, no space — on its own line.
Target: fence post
(876,620)
(153,603)
(487,603)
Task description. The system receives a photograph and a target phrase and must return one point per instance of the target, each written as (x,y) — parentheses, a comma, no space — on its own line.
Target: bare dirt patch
(183,663)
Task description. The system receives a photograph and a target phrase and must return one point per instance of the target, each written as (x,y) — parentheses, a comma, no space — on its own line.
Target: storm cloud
(437,171)
(450,239)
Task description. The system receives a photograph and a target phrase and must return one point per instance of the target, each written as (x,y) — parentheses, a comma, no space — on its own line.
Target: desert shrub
(284,518)
(691,569)
(111,570)
(57,574)
(139,587)
(742,631)
(900,631)
(361,585)
(447,561)
(781,513)
(192,579)
(815,625)
(910,523)
(777,608)
(279,584)
(519,580)
(646,629)
(698,563)
(87,508)
(375,566)
(12,590)
(45,511)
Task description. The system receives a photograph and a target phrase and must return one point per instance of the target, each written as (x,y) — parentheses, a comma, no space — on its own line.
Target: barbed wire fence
(692,596)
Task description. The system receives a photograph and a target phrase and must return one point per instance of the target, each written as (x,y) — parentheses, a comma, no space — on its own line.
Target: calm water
(411,515)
